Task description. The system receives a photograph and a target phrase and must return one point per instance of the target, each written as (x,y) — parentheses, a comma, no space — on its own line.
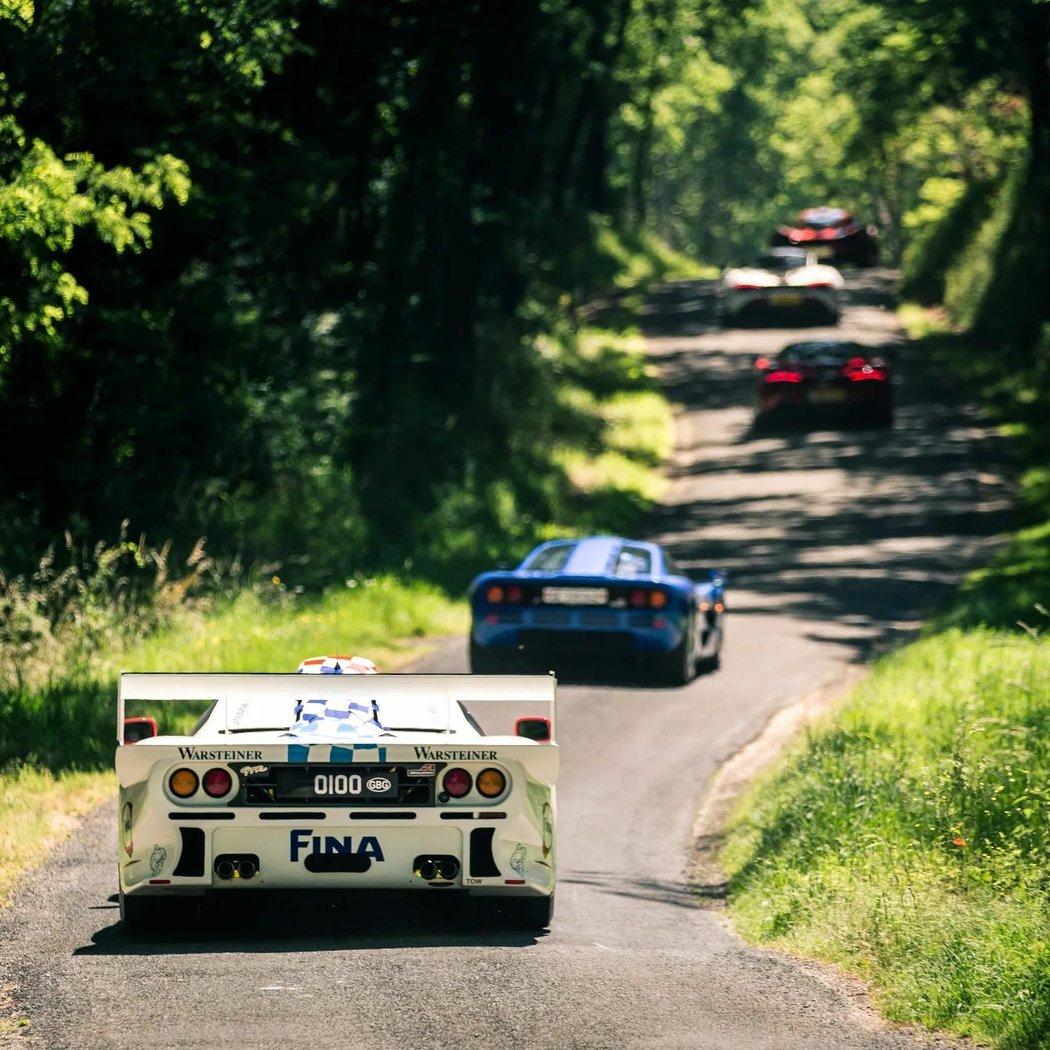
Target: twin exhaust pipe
(236,866)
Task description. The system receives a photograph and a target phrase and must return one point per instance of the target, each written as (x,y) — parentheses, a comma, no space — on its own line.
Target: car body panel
(833,234)
(597,595)
(783,283)
(336,783)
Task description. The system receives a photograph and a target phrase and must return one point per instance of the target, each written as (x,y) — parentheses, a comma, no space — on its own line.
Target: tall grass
(907,839)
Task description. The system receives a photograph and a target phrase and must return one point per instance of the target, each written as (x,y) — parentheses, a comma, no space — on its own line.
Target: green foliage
(906,838)
(55,622)
(44,201)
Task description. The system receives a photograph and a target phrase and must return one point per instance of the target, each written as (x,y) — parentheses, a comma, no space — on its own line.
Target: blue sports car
(600,595)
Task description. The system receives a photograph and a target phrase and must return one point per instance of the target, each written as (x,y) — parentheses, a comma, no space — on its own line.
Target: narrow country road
(837,543)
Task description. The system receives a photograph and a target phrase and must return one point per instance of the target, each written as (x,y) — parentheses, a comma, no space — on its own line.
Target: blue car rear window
(549,559)
(633,561)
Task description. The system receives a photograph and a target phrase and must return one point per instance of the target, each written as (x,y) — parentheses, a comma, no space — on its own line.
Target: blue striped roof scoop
(336,717)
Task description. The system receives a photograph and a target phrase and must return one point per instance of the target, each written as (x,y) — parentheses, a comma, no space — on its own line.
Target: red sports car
(833,234)
(824,380)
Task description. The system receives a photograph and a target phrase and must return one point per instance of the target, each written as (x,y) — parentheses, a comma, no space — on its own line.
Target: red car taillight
(500,594)
(782,375)
(217,782)
(644,599)
(457,782)
(867,372)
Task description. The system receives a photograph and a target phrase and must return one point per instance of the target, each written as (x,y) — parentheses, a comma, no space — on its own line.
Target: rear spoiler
(533,695)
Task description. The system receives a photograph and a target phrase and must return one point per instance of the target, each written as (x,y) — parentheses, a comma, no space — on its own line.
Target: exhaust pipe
(436,868)
(236,866)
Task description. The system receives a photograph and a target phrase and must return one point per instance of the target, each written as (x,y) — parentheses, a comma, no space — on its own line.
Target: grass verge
(905,839)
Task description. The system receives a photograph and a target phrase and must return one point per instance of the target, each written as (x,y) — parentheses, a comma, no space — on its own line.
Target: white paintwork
(465,721)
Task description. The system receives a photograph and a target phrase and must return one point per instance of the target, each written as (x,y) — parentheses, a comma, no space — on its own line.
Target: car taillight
(491,783)
(867,372)
(782,375)
(643,599)
(761,363)
(456,783)
(183,783)
(498,594)
(217,782)
(820,284)
(744,287)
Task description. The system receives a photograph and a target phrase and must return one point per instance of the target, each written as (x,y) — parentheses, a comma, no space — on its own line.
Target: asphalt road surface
(837,543)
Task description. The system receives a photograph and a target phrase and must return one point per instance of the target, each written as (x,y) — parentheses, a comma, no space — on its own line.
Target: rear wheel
(144,914)
(678,667)
(515,913)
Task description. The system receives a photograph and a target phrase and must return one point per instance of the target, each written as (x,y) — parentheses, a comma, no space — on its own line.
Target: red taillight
(217,782)
(642,599)
(500,593)
(762,363)
(456,783)
(860,375)
(820,284)
(783,375)
(748,287)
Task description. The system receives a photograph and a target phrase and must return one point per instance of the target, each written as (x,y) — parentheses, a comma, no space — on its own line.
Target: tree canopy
(277,272)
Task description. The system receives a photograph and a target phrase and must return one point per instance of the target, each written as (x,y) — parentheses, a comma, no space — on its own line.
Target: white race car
(782,284)
(350,781)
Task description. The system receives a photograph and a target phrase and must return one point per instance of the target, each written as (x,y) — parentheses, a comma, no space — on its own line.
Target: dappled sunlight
(866,529)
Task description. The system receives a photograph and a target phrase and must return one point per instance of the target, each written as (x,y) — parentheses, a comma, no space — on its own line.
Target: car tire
(713,662)
(678,667)
(485,661)
(514,913)
(142,915)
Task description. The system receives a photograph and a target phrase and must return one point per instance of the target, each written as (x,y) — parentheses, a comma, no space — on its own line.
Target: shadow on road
(276,923)
(868,530)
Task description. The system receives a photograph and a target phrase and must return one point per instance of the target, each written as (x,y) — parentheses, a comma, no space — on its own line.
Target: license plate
(785,298)
(334,783)
(575,596)
(827,396)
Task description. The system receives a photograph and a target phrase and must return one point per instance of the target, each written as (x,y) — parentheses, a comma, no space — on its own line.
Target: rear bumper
(784,303)
(610,631)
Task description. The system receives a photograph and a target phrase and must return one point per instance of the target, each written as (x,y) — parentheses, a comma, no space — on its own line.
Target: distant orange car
(834,234)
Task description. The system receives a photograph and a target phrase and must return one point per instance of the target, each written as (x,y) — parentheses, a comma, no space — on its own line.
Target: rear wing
(494,702)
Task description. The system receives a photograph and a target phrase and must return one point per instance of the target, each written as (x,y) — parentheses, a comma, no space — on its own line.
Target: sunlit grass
(906,838)
(38,810)
(268,629)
